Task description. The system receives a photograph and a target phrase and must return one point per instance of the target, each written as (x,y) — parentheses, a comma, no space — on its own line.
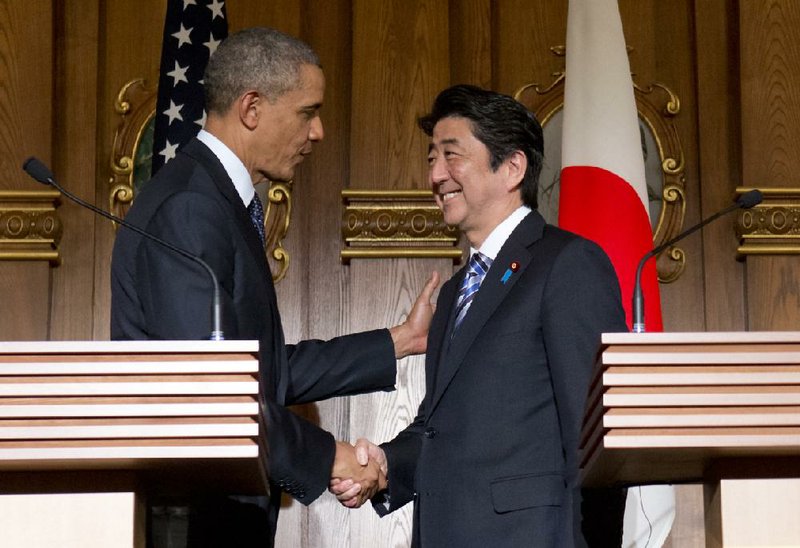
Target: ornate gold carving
(773,226)
(30,228)
(276,226)
(395,223)
(136,104)
(657,105)
(130,169)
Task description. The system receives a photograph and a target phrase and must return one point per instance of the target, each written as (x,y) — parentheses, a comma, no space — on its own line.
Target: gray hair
(263,59)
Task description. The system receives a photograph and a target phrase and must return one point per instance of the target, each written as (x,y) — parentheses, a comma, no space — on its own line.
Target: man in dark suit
(492,456)
(263,92)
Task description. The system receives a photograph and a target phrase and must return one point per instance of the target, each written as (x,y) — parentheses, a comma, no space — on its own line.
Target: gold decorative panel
(30,229)
(657,106)
(773,226)
(395,223)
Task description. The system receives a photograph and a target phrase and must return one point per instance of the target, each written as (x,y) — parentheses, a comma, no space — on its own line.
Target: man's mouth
(450,195)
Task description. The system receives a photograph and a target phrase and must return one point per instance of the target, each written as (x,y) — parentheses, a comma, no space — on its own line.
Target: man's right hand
(354,490)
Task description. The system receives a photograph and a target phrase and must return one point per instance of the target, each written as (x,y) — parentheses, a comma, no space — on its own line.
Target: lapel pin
(509,271)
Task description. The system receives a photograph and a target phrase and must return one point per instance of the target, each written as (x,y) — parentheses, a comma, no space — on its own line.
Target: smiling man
(492,456)
(263,93)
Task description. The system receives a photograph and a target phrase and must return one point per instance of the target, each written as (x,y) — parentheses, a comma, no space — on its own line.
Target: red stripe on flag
(601,206)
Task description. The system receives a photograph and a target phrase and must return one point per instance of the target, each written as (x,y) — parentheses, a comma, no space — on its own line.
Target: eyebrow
(451,141)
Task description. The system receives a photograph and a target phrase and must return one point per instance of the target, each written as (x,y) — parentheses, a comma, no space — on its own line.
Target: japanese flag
(603,195)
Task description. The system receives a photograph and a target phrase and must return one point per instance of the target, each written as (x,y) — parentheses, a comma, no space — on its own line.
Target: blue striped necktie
(256,211)
(478,267)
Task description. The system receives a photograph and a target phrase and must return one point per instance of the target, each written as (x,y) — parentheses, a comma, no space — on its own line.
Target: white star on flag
(178,74)
(211,45)
(192,31)
(174,112)
(183,36)
(169,152)
(216,9)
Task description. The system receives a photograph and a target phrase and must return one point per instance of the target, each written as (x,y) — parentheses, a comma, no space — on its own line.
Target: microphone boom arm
(36,169)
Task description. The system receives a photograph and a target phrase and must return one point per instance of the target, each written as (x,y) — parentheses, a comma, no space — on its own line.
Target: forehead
(311,87)
(454,130)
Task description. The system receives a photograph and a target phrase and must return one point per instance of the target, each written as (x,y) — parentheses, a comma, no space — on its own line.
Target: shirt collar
(498,236)
(232,164)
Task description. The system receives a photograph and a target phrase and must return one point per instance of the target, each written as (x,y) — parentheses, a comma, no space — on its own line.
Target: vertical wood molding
(770,101)
(26,124)
(75,163)
(719,154)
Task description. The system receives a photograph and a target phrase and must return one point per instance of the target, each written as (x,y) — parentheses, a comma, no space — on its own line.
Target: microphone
(36,169)
(745,201)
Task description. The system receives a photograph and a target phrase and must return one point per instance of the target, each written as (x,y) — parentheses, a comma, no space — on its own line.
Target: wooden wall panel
(770,104)
(24,294)
(471,42)
(522,37)
(400,62)
(26,89)
(325,282)
(26,120)
(75,166)
(380,416)
(719,158)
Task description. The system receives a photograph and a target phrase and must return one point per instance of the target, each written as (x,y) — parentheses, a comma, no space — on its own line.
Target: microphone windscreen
(36,169)
(750,199)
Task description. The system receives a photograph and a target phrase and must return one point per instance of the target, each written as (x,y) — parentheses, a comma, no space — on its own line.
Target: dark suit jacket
(491,458)
(158,294)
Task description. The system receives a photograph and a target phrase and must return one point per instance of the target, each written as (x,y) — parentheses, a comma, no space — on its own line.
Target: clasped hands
(359,472)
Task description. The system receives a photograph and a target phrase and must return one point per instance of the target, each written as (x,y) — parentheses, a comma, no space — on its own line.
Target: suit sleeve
(301,454)
(176,292)
(581,301)
(402,454)
(343,366)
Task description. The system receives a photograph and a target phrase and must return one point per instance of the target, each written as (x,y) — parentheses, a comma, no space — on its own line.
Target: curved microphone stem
(216,307)
(745,201)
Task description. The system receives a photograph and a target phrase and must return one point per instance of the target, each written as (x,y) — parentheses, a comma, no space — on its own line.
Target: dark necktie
(256,211)
(478,267)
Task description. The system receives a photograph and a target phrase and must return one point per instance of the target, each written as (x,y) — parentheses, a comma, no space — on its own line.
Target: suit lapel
(203,155)
(491,295)
(279,378)
(441,326)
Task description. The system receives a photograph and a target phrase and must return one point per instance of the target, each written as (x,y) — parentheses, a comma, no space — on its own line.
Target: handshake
(359,472)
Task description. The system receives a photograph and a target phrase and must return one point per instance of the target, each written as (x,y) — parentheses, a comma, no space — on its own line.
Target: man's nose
(316,133)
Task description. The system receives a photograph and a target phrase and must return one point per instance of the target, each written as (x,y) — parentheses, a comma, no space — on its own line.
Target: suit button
(430,433)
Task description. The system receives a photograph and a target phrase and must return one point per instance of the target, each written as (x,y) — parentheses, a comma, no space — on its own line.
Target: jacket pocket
(529,491)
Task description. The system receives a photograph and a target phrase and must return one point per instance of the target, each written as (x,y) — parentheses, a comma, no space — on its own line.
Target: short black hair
(500,122)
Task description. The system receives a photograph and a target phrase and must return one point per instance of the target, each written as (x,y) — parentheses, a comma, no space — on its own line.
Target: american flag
(192,31)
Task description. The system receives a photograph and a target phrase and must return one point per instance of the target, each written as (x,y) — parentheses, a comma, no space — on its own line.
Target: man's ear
(516,166)
(248,107)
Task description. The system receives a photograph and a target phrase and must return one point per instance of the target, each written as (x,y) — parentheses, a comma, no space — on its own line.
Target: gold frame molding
(30,229)
(773,226)
(657,106)
(380,224)
(136,105)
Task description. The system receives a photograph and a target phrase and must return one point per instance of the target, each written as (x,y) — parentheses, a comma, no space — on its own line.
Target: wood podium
(88,430)
(718,408)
